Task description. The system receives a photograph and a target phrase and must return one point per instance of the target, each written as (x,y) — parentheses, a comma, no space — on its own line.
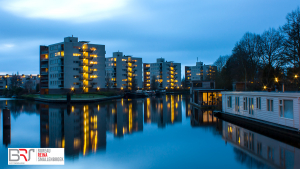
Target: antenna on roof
(72,36)
(197,59)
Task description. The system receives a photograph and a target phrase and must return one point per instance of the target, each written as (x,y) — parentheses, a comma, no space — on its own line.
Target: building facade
(72,65)
(123,72)
(162,74)
(199,72)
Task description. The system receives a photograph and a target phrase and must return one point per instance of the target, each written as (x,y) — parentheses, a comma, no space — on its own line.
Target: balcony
(44,66)
(61,86)
(61,78)
(86,50)
(44,60)
(44,52)
(88,79)
(44,73)
(88,72)
(86,57)
(82,86)
(85,64)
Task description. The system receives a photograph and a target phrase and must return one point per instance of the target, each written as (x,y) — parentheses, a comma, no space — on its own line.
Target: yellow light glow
(276,79)
(265,87)
(296,76)
(98,88)
(72,88)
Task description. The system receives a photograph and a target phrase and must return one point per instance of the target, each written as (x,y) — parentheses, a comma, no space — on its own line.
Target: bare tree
(220,62)
(29,85)
(291,31)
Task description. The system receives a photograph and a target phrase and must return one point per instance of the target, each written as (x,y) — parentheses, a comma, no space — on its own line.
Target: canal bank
(63,99)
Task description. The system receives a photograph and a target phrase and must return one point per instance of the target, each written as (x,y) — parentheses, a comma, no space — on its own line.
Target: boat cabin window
(229,103)
(258,103)
(269,105)
(237,104)
(286,109)
(245,103)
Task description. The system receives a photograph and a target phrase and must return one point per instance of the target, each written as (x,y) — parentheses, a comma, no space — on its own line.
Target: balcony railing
(44,73)
(86,57)
(44,66)
(88,72)
(85,50)
(82,86)
(44,52)
(88,79)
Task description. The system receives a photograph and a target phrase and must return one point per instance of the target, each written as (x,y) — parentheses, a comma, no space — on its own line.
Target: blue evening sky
(178,30)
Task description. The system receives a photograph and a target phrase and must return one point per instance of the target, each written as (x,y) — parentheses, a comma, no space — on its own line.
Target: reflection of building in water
(125,116)
(163,110)
(205,118)
(257,150)
(188,107)
(82,129)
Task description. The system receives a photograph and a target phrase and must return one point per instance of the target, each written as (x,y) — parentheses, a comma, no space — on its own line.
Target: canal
(155,132)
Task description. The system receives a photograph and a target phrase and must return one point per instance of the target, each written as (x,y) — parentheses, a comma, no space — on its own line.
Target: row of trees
(266,59)
(15,87)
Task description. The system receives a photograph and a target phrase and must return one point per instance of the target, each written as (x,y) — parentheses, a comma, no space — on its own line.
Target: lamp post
(296,82)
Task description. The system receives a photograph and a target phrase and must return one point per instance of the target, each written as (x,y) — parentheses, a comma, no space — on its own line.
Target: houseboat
(273,109)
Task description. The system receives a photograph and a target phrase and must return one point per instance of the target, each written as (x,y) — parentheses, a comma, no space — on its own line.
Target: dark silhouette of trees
(269,59)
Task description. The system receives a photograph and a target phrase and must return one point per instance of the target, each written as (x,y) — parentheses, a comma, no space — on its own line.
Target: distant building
(199,72)
(166,74)
(123,72)
(72,65)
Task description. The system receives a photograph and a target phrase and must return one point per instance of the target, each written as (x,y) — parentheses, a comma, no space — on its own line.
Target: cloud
(6,46)
(70,10)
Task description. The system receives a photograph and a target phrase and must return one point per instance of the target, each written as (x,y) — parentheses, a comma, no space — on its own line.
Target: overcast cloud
(178,30)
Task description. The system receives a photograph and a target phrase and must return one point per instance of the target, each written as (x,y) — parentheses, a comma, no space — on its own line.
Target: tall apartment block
(72,65)
(123,72)
(166,74)
(199,72)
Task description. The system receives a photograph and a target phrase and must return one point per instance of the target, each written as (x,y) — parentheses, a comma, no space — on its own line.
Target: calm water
(157,132)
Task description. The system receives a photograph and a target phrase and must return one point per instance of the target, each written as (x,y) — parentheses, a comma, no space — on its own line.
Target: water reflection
(205,119)
(163,110)
(258,151)
(82,130)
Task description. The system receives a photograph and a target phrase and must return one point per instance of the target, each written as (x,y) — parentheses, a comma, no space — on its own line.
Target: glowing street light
(276,79)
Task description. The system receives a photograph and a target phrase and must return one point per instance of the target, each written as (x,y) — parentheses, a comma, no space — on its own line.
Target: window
(259,148)
(237,104)
(245,103)
(229,101)
(270,153)
(286,109)
(269,105)
(258,103)
(251,106)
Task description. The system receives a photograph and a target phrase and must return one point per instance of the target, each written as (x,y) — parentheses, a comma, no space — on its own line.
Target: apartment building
(123,72)
(199,72)
(166,75)
(72,66)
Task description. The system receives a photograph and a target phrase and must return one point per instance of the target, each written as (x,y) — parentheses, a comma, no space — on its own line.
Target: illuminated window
(76,54)
(124,60)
